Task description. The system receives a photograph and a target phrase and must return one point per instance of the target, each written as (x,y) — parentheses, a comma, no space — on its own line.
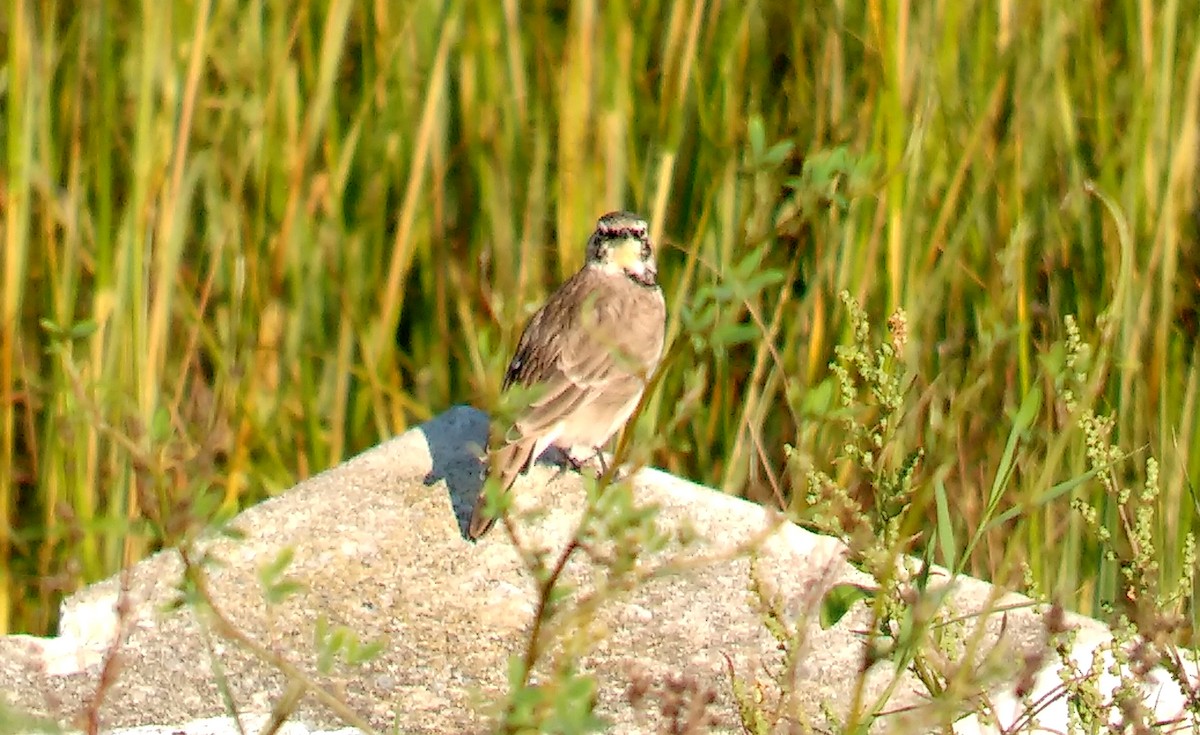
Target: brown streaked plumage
(588,353)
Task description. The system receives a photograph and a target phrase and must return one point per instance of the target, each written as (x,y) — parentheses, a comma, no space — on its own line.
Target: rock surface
(378,547)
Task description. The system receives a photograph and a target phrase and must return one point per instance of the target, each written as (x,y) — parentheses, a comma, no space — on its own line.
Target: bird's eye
(645,251)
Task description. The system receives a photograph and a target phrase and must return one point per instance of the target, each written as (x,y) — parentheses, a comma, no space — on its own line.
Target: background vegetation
(244,240)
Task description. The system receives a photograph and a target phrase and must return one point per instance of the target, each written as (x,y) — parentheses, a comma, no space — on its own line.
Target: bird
(585,357)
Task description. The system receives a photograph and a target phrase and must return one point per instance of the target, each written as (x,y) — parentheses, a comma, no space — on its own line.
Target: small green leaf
(819,399)
(282,590)
(364,652)
(83,329)
(760,281)
(945,529)
(231,532)
(574,707)
(777,153)
(839,600)
(272,570)
(516,671)
(51,328)
(557,595)
(734,334)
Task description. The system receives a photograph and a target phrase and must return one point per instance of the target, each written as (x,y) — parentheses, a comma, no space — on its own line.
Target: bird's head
(621,244)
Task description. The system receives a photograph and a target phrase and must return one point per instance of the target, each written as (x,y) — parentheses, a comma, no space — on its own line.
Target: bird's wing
(572,351)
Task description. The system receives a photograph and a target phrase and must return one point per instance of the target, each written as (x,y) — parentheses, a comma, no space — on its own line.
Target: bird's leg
(569,462)
(599,457)
(600,462)
(593,455)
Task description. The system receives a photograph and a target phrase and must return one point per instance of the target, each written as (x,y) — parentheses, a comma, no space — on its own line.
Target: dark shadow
(456,440)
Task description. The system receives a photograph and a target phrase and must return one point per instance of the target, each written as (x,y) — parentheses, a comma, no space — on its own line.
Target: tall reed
(243,242)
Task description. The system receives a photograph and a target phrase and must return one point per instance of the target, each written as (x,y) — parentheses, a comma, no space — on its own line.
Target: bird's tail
(507,462)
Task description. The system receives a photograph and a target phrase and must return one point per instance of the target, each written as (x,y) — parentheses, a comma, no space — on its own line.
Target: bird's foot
(585,458)
(579,461)
(588,460)
(593,461)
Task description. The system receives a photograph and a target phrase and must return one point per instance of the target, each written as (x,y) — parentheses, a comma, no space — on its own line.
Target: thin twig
(112,659)
(226,629)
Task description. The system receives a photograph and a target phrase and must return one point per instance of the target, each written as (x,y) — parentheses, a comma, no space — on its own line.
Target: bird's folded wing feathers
(583,367)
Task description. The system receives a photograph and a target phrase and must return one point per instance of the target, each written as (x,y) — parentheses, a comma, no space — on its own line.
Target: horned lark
(586,355)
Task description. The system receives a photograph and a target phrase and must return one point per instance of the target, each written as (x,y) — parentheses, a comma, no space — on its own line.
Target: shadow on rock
(456,442)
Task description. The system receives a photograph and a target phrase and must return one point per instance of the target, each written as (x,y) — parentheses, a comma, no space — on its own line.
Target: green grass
(240,246)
